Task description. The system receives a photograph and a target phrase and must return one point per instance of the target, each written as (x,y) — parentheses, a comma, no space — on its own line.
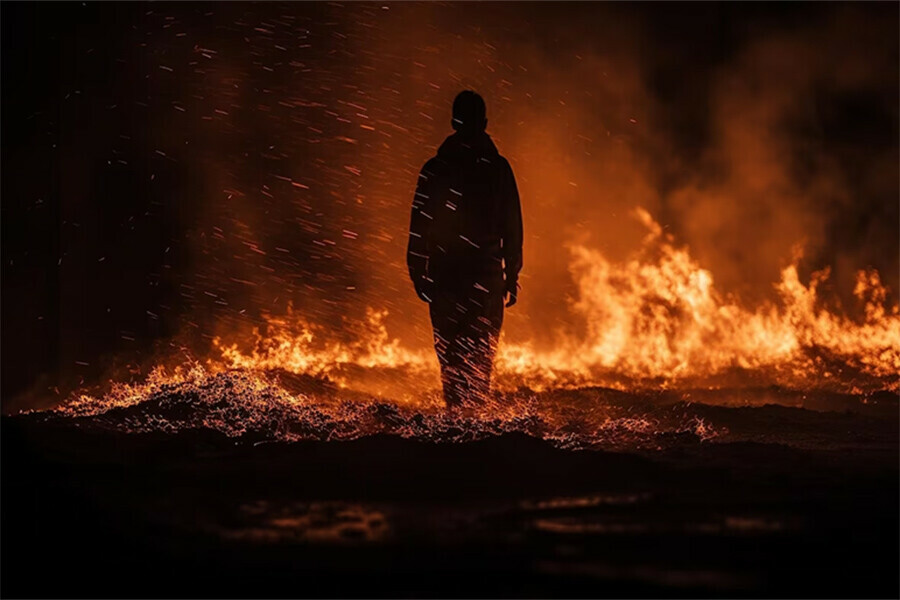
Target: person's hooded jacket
(466,218)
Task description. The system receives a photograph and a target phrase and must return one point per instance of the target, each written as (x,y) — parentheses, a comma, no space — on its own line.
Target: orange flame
(655,321)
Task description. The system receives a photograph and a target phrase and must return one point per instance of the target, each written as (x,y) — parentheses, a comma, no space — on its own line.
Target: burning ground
(233,487)
(655,325)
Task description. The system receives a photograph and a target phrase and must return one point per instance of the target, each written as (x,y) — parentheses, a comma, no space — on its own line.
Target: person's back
(465,249)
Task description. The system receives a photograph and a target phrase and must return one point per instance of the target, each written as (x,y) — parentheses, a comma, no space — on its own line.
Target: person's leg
(480,333)
(446,324)
(482,363)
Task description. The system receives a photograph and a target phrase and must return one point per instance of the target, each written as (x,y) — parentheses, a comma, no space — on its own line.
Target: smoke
(293,135)
(783,143)
(328,117)
(792,161)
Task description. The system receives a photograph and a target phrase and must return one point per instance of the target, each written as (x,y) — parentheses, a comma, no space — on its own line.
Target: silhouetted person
(465,249)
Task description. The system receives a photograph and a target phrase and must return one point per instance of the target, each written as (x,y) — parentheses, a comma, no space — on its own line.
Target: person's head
(469,113)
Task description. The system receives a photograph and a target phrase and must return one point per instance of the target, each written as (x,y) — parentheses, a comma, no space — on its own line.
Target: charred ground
(790,502)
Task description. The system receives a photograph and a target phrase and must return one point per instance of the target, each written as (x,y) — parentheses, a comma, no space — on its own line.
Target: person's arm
(512,234)
(417,250)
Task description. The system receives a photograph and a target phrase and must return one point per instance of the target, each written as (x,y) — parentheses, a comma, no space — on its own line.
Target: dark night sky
(171,171)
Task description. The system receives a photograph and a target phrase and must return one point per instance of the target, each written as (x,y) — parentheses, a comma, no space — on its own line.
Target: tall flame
(658,319)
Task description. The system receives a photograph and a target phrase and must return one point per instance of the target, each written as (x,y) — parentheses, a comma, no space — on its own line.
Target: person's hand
(512,295)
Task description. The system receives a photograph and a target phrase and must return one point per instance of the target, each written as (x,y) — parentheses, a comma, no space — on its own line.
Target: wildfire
(655,321)
(294,345)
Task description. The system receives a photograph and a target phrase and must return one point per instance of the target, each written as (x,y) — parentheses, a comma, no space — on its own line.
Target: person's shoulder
(433,164)
(502,163)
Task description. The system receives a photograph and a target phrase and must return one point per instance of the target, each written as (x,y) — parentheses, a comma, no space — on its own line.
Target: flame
(658,320)
(297,346)
(654,321)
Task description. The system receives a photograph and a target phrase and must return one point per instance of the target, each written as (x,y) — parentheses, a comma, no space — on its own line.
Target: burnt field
(780,501)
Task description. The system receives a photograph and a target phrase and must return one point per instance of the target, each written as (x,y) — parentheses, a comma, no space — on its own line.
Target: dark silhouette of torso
(464,255)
